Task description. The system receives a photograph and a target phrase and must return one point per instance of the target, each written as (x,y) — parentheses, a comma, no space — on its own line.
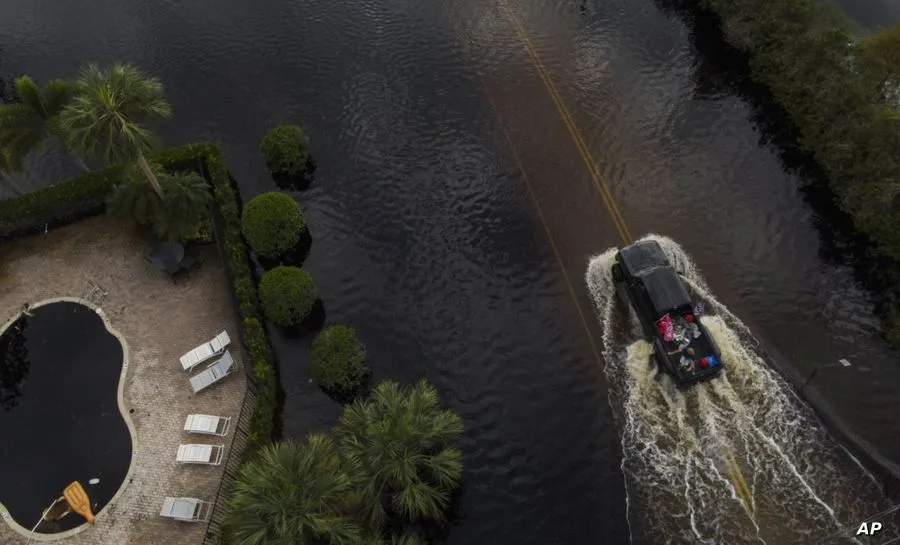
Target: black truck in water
(682,346)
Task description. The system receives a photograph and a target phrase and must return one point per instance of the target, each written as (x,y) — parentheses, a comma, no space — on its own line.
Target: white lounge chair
(207,424)
(186,509)
(216,371)
(200,454)
(206,351)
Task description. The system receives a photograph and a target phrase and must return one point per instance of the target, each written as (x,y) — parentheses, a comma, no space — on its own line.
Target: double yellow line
(737,480)
(583,150)
(734,471)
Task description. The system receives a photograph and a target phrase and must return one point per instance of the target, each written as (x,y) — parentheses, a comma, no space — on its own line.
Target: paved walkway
(159,321)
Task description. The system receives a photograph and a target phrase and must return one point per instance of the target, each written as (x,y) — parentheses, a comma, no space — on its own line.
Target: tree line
(842,95)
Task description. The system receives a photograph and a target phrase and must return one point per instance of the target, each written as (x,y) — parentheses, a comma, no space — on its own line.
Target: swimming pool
(60,417)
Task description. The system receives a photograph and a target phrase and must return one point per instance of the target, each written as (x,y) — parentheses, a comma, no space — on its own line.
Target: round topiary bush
(273,223)
(287,295)
(338,359)
(285,150)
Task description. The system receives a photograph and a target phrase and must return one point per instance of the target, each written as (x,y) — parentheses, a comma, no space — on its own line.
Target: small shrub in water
(338,359)
(287,295)
(285,150)
(273,224)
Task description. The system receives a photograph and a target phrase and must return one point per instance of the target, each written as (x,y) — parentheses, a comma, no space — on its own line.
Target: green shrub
(177,216)
(285,150)
(58,204)
(287,295)
(338,359)
(273,224)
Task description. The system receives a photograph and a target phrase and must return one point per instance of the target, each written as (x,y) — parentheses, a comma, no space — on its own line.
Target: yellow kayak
(79,501)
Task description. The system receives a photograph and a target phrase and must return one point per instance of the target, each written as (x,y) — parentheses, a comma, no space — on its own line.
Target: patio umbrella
(167,256)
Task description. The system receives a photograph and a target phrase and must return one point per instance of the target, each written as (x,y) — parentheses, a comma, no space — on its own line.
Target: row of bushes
(842,97)
(273,225)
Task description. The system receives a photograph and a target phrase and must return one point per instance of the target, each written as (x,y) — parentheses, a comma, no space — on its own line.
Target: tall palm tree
(28,121)
(402,446)
(294,492)
(104,117)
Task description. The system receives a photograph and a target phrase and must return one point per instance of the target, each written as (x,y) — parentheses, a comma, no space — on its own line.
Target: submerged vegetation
(337,360)
(286,151)
(842,95)
(273,224)
(287,295)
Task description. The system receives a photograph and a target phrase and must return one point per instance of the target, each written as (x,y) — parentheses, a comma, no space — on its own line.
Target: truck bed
(702,347)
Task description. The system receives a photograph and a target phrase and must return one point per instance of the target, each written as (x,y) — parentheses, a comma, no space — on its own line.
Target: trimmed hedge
(59,204)
(287,295)
(338,359)
(840,96)
(86,196)
(273,224)
(285,150)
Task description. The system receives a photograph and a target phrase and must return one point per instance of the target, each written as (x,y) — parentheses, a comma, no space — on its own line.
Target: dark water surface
(427,241)
(60,419)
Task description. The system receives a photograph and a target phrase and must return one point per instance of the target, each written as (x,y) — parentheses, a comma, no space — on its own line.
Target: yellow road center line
(566,116)
(543,221)
(533,197)
(748,500)
(735,475)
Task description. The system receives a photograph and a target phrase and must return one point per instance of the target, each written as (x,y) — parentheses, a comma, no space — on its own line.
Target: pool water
(59,415)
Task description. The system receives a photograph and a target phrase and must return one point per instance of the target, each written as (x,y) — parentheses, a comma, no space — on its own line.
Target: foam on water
(677,444)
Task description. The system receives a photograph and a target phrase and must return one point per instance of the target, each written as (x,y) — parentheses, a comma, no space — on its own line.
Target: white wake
(677,444)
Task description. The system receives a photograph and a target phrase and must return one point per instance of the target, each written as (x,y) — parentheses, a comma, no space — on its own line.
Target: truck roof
(642,256)
(665,289)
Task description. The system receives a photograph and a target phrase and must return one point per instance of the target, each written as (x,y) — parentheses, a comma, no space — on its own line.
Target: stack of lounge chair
(215,371)
(223,364)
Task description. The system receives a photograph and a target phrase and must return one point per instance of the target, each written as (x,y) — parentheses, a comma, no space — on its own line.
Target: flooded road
(472,156)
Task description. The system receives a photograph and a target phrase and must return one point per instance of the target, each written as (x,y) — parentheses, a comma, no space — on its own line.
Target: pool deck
(159,321)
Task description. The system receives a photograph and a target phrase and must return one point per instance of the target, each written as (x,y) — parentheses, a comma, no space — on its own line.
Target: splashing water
(677,444)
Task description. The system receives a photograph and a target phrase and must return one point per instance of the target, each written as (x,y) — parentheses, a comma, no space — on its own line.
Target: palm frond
(57,94)
(419,500)
(16,116)
(103,120)
(30,94)
(291,494)
(402,445)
